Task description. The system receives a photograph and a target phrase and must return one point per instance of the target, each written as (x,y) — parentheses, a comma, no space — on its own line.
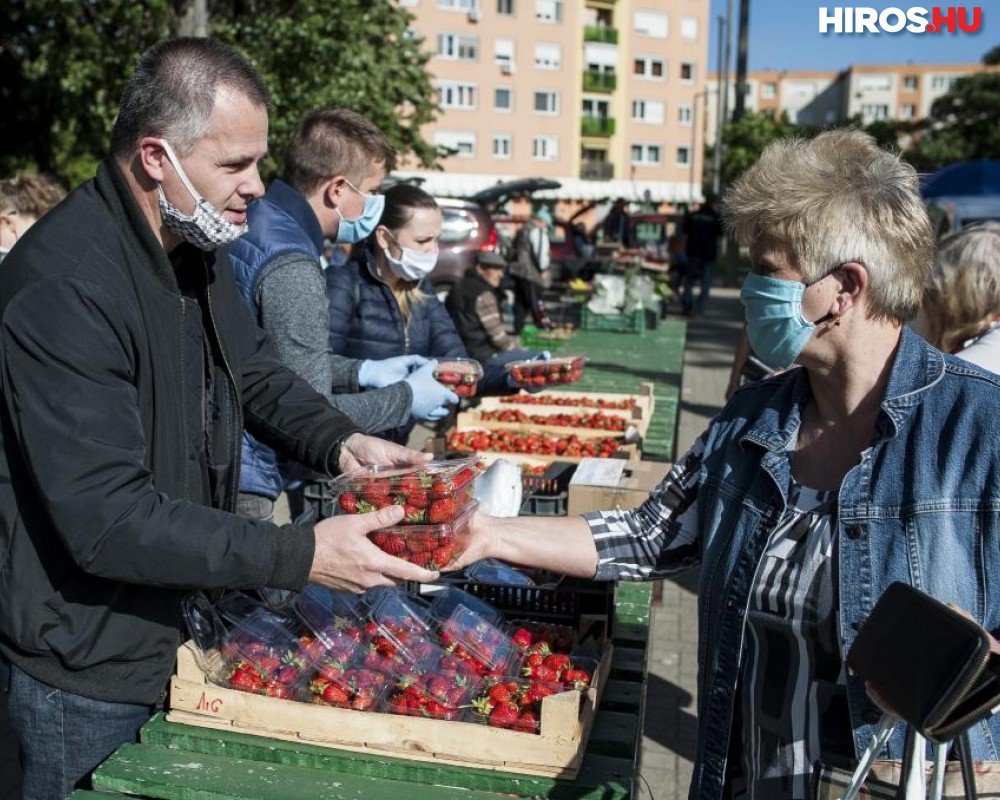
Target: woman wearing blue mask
(812,491)
(380,303)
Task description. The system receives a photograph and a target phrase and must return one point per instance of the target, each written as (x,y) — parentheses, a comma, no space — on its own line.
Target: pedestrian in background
(702,230)
(24,198)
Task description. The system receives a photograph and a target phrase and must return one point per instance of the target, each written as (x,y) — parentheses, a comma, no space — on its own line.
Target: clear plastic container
(357,687)
(438,687)
(430,546)
(525,374)
(403,633)
(445,603)
(482,645)
(262,654)
(572,672)
(461,375)
(547,637)
(431,494)
(336,625)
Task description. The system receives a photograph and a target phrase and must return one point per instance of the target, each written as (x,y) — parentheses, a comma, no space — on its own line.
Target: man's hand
(482,541)
(379,374)
(345,559)
(363,451)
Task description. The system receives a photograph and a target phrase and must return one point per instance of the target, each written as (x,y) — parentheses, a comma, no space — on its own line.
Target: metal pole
(741,61)
(201,17)
(725,75)
(694,142)
(719,109)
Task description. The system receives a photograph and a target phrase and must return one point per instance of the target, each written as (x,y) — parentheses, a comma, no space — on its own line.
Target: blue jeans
(703,272)
(64,736)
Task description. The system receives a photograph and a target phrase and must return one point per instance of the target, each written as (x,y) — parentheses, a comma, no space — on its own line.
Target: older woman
(961,310)
(814,490)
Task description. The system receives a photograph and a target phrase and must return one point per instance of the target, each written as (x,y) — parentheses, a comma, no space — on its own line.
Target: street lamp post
(703,95)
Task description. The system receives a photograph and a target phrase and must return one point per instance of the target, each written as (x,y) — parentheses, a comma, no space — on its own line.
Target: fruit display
(440,687)
(542,637)
(431,494)
(525,399)
(513,703)
(596,421)
(400,629)
(546,373)
(572,446)
(461,375)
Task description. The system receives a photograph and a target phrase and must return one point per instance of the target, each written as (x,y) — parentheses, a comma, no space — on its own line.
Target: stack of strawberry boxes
(452,666)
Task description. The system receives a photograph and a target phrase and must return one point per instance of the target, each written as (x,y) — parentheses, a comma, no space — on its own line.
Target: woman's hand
(483,540)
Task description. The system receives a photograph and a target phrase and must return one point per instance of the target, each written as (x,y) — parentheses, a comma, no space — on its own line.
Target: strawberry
(504,715)
(389,543)
(534,660)
(418,498)
(413,514)
(348,502)
(335,695)
(522,637)
(421,559)
(527,722)
(443,556)
(557,661)
(500,693)
(541,673)
(409,484)
(375,493)
(576,678)
(441,510)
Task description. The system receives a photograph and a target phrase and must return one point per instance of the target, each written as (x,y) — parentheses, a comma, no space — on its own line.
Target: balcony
(594,81)
(604,34)
(597,170)
(597,126)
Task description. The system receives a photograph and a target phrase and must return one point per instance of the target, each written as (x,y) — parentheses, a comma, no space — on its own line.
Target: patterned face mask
(206,228)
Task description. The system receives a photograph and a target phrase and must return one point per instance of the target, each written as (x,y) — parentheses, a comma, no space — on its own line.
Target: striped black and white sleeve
(658,538)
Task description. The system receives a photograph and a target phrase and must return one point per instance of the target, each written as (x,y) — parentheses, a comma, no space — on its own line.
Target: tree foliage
(65,63)
(962,123)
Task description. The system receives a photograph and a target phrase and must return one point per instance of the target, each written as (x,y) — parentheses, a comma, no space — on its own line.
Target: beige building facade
(600,95)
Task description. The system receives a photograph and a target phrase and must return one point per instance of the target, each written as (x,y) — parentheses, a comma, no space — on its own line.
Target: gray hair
(836,198)
(963,290)
(172,92)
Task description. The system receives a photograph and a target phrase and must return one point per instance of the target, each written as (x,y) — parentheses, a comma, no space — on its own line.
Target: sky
(784,34)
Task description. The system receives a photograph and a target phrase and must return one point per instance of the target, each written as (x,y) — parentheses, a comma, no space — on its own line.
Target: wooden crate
(557,752)
(439,444)
(473,419)
(639,415)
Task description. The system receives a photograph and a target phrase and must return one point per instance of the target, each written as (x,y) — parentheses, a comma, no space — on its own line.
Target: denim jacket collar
(916,367)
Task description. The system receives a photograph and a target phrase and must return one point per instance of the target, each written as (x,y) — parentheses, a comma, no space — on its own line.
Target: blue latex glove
(545,355)
(379,374)
(430,398)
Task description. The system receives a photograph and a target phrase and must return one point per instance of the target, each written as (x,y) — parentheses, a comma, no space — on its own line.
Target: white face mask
(412,265)
(206,228)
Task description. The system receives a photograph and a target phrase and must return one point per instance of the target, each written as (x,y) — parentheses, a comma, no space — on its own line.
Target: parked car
(469,227)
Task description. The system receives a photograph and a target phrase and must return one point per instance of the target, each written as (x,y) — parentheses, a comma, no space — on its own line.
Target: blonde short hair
(29,194)
(962,293)
(836,198)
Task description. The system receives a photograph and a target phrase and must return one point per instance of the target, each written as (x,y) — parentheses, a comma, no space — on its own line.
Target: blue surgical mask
(354,230)
(777,330)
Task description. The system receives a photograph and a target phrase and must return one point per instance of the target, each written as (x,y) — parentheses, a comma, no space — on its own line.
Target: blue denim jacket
(922,506)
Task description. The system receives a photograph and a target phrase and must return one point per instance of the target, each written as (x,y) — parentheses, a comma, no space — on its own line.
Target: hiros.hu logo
(861,19)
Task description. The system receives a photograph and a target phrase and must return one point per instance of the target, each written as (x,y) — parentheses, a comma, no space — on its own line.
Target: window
(685,114)
(768,91)
(683,156)
(458,5)
(457,95)
(908,111)
(873,111)
(651,111)
(503,52)
(649,23)
(544,148)
(594,108)
(687,71)
(548,56)
(503,98)
(505,7)
(911,83)
(646,154)
(548,10)
(456,143)
(943,83)
(689,28)
(649,67)
(456,46)
(546,102)
(875,83)
(502,145)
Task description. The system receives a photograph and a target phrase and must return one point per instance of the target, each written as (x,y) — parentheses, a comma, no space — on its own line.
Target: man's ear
(333,191)
(152,158)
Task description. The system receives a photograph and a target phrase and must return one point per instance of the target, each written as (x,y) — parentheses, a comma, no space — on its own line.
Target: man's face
(222,166)
(492,275)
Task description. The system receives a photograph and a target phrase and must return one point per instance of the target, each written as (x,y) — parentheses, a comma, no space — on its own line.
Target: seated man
(474,307)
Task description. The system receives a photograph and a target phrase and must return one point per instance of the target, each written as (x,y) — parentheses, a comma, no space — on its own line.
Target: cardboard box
(606,483)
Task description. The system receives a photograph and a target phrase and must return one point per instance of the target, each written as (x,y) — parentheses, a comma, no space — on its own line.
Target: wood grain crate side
(645,403)
(438,445)
(566,722)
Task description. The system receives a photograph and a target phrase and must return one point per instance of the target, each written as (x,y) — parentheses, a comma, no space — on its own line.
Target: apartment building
(901,92)
(600,95)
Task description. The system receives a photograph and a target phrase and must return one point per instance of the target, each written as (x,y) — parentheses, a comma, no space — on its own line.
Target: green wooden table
(622,362)
(183,762)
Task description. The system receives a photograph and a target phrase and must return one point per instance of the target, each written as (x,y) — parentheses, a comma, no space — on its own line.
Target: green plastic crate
(634,322)
(533,338)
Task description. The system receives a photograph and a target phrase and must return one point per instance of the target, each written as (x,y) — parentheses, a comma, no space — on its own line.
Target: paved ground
(671,725)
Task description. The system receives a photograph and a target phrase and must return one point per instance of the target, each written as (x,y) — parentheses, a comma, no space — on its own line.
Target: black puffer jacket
(109,509)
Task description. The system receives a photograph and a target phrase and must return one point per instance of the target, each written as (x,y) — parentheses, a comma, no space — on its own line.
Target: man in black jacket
(129,365)
(475,311)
